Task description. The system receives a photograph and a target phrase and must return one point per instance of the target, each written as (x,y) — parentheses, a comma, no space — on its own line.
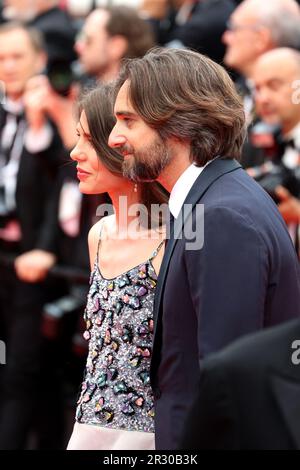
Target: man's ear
(264,40)
(118,47)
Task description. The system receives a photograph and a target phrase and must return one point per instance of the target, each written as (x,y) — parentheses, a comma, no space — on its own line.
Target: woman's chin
(86,188)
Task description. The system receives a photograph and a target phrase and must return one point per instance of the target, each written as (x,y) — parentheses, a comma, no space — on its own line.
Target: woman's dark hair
(185,95)
(98,107)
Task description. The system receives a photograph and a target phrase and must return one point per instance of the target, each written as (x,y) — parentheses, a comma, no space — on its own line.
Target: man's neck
(171,174)
(178,164)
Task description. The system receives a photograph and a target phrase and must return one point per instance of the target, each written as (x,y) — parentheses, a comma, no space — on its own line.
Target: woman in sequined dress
(115,406)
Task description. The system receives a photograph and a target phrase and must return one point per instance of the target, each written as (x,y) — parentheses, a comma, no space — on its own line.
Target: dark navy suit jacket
(244,278)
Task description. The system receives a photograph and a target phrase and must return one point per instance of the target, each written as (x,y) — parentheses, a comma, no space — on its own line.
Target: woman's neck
(125,204)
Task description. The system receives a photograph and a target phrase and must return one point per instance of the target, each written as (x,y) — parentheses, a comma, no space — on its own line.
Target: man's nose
(227,37)
(261,96)
(116,139)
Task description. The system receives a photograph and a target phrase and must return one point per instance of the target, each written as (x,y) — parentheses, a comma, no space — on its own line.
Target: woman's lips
(81,174)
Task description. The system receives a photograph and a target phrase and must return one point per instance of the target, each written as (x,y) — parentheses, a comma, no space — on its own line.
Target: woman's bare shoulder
(101,226)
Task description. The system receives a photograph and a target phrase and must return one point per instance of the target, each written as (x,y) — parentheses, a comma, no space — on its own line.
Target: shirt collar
(13,107)
(182,188)
(294,134)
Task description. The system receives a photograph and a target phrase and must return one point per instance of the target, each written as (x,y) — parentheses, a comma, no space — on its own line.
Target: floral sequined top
(116,390)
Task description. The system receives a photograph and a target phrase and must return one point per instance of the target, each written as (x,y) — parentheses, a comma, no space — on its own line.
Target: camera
(57,313)
(273,172)
(270,175)
(61,76)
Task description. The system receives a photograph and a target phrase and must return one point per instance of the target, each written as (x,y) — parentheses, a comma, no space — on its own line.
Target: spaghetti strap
(156,251)
(99,242)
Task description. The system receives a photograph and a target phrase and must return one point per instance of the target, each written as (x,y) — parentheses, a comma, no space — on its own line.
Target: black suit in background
(244,278)
(249,395)
(203,30)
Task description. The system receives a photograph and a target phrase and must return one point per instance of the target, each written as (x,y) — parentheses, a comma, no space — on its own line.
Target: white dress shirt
(291,155)
(182,187)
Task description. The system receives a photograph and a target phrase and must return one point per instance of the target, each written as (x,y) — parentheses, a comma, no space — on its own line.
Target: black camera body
(271,175)
(61,76)
(273,172)
(61,311)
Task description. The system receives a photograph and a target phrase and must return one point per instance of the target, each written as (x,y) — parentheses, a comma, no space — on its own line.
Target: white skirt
(93,437)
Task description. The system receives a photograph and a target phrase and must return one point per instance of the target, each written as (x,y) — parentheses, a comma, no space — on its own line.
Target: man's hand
(36,101)
(289,205)
(41,101)
(34,265)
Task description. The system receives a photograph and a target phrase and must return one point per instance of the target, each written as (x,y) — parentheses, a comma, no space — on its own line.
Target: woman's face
(93,176)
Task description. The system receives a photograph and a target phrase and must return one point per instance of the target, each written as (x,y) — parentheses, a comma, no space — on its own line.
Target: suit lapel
(287,394)
(209,175)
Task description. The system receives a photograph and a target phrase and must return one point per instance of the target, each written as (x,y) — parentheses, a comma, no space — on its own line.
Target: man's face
(273,79)
(242,39)
(92,46)
(18,62)
(145,154)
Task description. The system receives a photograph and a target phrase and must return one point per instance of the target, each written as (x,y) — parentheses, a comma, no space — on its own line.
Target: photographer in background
(275,75)
(30,152)
(58,30)
(109,35)
(253,29)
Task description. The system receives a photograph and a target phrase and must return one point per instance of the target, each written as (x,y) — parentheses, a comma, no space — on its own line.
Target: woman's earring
(135,187)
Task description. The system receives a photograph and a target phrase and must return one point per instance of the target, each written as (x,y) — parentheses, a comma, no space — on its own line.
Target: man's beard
(148,164)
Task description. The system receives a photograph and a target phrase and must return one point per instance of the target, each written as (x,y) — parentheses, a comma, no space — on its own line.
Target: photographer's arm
(289,206)
(33,266)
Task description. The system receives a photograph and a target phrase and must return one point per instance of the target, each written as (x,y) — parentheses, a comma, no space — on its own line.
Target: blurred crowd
(50,51)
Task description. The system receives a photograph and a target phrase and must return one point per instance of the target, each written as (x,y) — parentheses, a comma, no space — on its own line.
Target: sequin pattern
(116,390)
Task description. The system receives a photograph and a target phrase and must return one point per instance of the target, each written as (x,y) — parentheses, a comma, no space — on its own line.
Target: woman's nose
(76,154)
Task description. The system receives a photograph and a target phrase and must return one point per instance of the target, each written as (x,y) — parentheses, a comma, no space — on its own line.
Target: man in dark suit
(227,272)
(249,394)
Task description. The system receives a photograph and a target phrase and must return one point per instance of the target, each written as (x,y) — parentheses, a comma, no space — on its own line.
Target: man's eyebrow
(125,113)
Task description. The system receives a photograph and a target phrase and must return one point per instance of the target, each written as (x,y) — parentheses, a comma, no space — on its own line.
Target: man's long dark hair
(185,95)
